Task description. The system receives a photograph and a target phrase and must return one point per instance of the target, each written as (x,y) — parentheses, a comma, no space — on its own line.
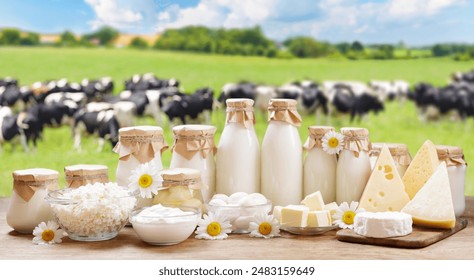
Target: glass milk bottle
(82,174)
(353,167)
(138,145)
(27,206)
(282,154)
(399,153)
(194,148)
(454,158)
(319,168)
(238,152)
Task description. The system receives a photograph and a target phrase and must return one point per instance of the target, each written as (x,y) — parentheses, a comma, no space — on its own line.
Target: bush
(10,36)
(284,55)
(462,57)
(138,43)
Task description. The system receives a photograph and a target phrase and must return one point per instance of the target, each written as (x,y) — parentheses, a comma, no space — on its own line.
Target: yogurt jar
(456,165)
(138,145)
(194,148)
(353,167)
(282,154)
(83,174)
(319,169)
(399,152)
(27,206)
(238,156)
(182,187)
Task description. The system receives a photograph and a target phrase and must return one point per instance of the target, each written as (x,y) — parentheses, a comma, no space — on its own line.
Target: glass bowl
(240,216)
(165,230)
(91,218)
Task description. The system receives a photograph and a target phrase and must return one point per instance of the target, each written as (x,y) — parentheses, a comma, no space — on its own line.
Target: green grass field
(398,123)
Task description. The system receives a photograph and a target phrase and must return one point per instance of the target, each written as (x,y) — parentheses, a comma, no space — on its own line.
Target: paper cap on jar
(27,181)
(142,130)
(85,169)
(394,148)
(282,103)
(452,155)
(355,131)
(35,174)
(181,176)
(284,110)
(194,130)
(239,103)
(320,130)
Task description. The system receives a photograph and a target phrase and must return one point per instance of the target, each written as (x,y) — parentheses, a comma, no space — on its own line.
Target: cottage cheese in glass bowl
(93,212)
(162,225)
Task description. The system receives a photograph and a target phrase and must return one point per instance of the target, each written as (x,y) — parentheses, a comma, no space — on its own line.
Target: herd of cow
(90,107)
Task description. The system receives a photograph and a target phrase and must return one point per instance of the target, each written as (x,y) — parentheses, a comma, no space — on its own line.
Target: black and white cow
(188,108)
(345,101)
(149,81)
(239,90)
(8,81)
(23,126)
(101,123)
(54,114)
(95,90)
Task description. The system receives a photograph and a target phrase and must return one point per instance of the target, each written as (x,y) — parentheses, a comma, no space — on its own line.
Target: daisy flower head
(333,142)
(47,233)
(265,226)
(146,178)
(345,214)
(213,227)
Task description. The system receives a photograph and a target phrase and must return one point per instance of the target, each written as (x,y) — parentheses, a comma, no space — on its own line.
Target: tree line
(243,41)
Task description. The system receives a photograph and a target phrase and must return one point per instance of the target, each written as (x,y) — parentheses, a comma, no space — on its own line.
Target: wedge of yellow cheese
(432,206)
(421,168)
(384,190)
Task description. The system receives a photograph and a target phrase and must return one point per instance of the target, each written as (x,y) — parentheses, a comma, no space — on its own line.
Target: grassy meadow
(398,123)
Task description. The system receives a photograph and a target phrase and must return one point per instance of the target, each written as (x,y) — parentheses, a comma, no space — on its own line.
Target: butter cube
(332,207)
(294,216)
(314,201)
(319,218)
(277,213)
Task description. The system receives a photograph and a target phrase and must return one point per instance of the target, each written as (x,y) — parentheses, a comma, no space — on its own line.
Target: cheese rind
(294,216)
(421,168)
(319,218)
(383,224)
(314,201)
(384,190)
(432,206)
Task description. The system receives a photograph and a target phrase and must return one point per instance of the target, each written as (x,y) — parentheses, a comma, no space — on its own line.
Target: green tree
(138,43)
(105,35)
(357,46)
(31,39)
(307,47)
(68,39)
(10,36)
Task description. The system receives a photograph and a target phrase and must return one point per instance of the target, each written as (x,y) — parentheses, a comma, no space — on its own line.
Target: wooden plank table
(129,247)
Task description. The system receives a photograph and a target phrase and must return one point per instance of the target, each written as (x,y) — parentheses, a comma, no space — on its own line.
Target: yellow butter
(314,201)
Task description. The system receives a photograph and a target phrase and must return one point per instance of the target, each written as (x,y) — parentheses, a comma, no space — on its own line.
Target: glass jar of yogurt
(456,165)
(194,148)
(319,169)
(353,167)
(238,156)
(182,187)
(82,174)
(399,152)
(282,154)
(27,206)
(138,145)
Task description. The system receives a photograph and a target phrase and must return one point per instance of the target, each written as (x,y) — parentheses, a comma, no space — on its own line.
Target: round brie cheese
(383,224)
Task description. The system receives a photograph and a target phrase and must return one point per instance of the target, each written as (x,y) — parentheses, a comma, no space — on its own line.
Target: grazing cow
(240,90)
(14,97)
(345,101)
(95,90)
(24,126)
(385,90)
(54,114)
(124,111)
(308,95)
(8,81)
(149,81)
(102,123)
(77,97)
(181,106)
(263,95)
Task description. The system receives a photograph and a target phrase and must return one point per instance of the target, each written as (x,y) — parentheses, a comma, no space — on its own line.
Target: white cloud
(412,8)
(111,12)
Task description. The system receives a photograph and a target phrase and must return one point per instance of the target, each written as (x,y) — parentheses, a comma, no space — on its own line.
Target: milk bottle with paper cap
(138,145)
(319,169)
(182,187)
(282,154)
(399,152)
(353,167)
(456,165)
(27,206)
(194,148)
(82,174)
(238,152)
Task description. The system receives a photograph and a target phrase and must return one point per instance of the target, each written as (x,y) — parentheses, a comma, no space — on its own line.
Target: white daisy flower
(213,227)
(265,226)
(146,178)
(47,233)
(333,142)
(344,216)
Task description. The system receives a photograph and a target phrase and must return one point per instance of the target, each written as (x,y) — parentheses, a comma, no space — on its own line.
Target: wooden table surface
(326,247)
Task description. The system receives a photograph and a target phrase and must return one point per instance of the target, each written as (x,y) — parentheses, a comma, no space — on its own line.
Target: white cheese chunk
(319,218)
(294,216)
(383,224)
(314,201)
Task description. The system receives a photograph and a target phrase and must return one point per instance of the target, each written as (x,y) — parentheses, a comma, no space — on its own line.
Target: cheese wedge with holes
(432,206)
(421,168)
(314,201)
(384,190)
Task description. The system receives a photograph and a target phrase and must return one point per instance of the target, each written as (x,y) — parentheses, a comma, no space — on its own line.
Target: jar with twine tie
(82,174)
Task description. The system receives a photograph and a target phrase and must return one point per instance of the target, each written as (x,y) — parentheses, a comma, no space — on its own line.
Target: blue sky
(416,22)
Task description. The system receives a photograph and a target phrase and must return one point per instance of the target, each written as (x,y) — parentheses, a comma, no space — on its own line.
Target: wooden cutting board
(419,238)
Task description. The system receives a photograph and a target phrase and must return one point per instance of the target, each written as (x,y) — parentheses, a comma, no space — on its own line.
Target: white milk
(125,167)
(25,216)
(238,155)
(206,164)
(352,172)
(320,174)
